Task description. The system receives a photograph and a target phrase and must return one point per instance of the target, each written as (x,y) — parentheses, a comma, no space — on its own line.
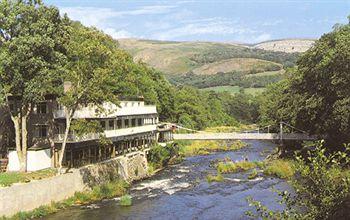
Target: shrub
(231,167)
(205,147)
(159,156)
(322,186)
(253,174)
(217,178)
(283,169)
(125,200)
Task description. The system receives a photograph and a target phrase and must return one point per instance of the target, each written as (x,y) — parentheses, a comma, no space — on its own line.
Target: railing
(113,112)
(58,138)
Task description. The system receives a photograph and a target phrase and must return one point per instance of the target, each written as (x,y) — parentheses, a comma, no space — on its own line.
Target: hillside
(287,45)
(178,58)
(238,64)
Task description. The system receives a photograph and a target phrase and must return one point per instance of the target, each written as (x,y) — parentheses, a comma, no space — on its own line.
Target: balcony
(72,138)
(112,111)
(58,138)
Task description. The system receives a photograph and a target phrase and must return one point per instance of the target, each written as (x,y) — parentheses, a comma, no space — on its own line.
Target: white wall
(36,160)
(126,108)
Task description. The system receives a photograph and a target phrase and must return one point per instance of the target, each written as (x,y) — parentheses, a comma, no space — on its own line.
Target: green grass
(283,169)
(125,200)
(217,178)
(253,174)
(234,167)
(104,191)
(254,91)
(230,89)
(235,89)
(205,147)
(9,178)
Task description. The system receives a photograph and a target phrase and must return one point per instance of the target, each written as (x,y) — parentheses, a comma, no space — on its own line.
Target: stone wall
(28,196)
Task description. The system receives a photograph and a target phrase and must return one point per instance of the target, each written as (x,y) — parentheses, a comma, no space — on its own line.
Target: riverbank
(105,191)
(181,191)
(79,186)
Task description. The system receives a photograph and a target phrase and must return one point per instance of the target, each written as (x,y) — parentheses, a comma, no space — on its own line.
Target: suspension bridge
(286,132)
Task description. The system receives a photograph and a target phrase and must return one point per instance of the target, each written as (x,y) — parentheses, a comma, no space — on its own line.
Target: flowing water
(182,192)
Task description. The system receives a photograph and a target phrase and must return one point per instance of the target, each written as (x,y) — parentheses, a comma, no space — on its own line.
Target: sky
(249,21)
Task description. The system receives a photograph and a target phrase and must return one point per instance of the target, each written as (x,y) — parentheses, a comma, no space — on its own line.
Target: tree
(32,53)
(316,98)
(94,61)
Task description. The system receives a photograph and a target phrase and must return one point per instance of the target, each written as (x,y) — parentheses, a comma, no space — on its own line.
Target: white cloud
(92,16)
(216,26)
(89,16)
(117,34)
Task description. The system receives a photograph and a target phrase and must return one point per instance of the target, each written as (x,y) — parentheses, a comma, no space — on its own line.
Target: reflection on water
(181,192)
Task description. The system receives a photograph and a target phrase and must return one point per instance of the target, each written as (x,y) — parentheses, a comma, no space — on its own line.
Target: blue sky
(247,21)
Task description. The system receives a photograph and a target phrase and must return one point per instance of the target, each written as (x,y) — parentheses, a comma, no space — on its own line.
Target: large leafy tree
(94,61)
(32,39)
(317,96)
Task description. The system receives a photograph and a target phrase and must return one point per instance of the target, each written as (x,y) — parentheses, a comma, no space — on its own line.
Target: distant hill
(178,58)
(238,64)
(219,66)
(286,45)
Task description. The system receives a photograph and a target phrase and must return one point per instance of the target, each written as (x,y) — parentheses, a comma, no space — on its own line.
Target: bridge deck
(242,136)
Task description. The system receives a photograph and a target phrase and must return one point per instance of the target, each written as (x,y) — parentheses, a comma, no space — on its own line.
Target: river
(182,192)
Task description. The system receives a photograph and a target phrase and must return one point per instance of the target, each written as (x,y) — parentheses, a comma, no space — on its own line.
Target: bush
(253,174)
(231,167)
(283,169)
(217,178)
(125,200)
(205,147)
(160,156)
(322,187)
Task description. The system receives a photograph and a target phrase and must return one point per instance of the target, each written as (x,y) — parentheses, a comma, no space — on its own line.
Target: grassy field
(237,64)
(9,178)
(177,58)
(235,89)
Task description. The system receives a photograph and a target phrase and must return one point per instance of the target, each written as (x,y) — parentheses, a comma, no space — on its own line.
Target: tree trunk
(69,115)
(24,120)
(17,124)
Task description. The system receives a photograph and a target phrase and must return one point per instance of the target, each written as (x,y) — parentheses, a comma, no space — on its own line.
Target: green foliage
(233,167)
(32,49)
(322,187)
(160,156)
(9,178)
(205,147)
(317,96)
(83,126)
(253,174)
(283,169)
(226,79)
(218,178)
(107,190)
(125,200)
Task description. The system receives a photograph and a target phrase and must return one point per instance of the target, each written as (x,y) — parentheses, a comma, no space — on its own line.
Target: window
(103,125)
(119,123)
(133,122)
(111,124)
(41,108)
(126,123)
(139,122)
(41,131)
